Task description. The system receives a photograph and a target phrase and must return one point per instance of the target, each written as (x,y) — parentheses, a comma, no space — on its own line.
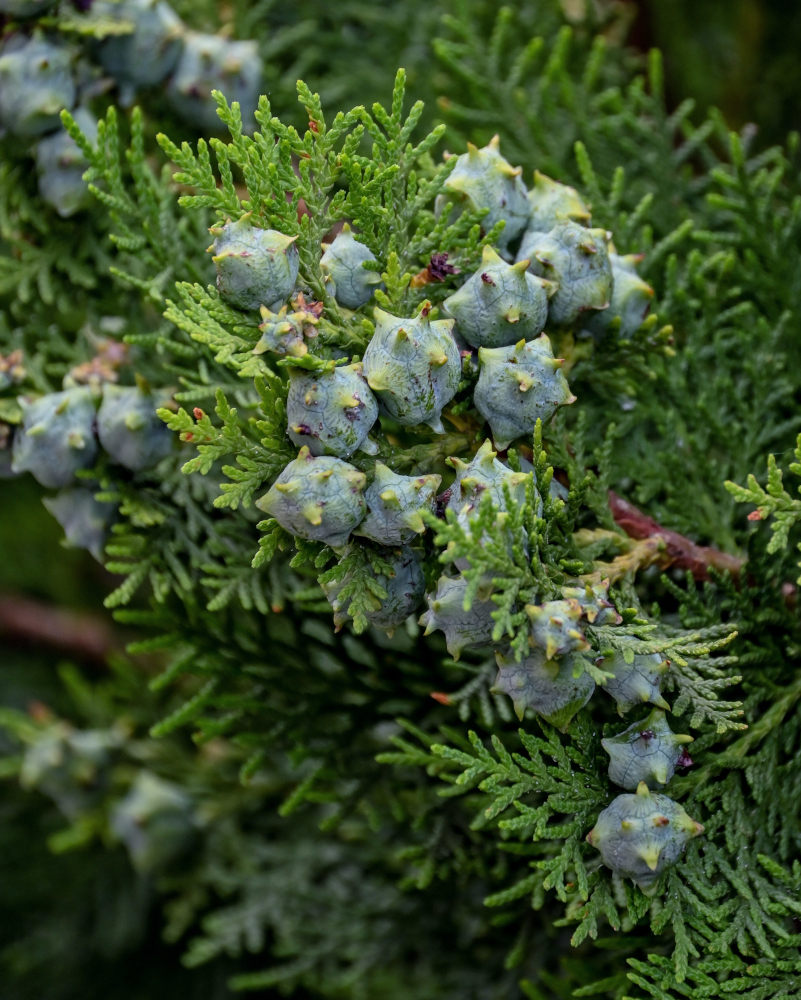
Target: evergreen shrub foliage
(418,660)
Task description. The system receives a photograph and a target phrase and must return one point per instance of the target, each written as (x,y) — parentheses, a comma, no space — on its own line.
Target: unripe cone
(594,601)
(413,366)
(405,587)
(147,54)
(554,628)
(484,474)
(517,386)
(395,504)
(484,179)
(350,284)
(285,332)
(255,267)
(35,84)
(630,302)
(209,62)
(317,498)
(129,429)
(641,835)
(634,683)
(85,521)
(647,751)
(61,165)
(500,304)
(462,628)
(331,411)
(155,821)
(551,203)
(554,689)
(57,437)
(576,259)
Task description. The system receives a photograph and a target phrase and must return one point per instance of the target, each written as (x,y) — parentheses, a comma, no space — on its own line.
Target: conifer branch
(674,549)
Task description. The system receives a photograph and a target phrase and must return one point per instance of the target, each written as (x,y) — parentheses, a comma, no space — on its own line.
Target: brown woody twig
(84,636)
(675,549)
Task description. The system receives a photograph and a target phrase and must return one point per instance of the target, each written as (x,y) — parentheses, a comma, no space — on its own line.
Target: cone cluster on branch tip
(412,370)
(547,271)
(42,74)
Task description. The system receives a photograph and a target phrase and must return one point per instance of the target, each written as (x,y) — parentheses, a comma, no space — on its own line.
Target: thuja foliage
(464,675)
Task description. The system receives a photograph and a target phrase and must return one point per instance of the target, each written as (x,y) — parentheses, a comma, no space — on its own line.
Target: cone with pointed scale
(286,332)
(647,751)
(85,521)
(57,437)
(484,179)
(634,683)
(554,628)
(500,304)
(330,411)
(210,62)
(60,165)
(255,267)
(405,587)
(517,386)
(462,628)
(35,84)
(145,55)
(595,604)
(554,689)
(395,505)
(576,259)
(129,429)
(484,474)
(321,499)
(342,266)
(550,202)
(630,302)
(413,366)
(641,835)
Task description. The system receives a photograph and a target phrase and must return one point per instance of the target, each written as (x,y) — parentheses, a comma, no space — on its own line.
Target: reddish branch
(678,550)
(83,636)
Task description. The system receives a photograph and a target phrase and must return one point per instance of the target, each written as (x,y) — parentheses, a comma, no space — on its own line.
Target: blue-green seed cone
(413,366)
(641,835)
(129,429)
(255,267)
(636,683)
(342,266)
(500,304)
(318,498)
(554,689)
(57,437)
(84,520)
(482,178)
(517,386)
(404,586)
(146,54)
(210,62)
(35,85)
(577,260)
(647,751)
(60,165)
(331,412)
(395,505)
(446,612)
